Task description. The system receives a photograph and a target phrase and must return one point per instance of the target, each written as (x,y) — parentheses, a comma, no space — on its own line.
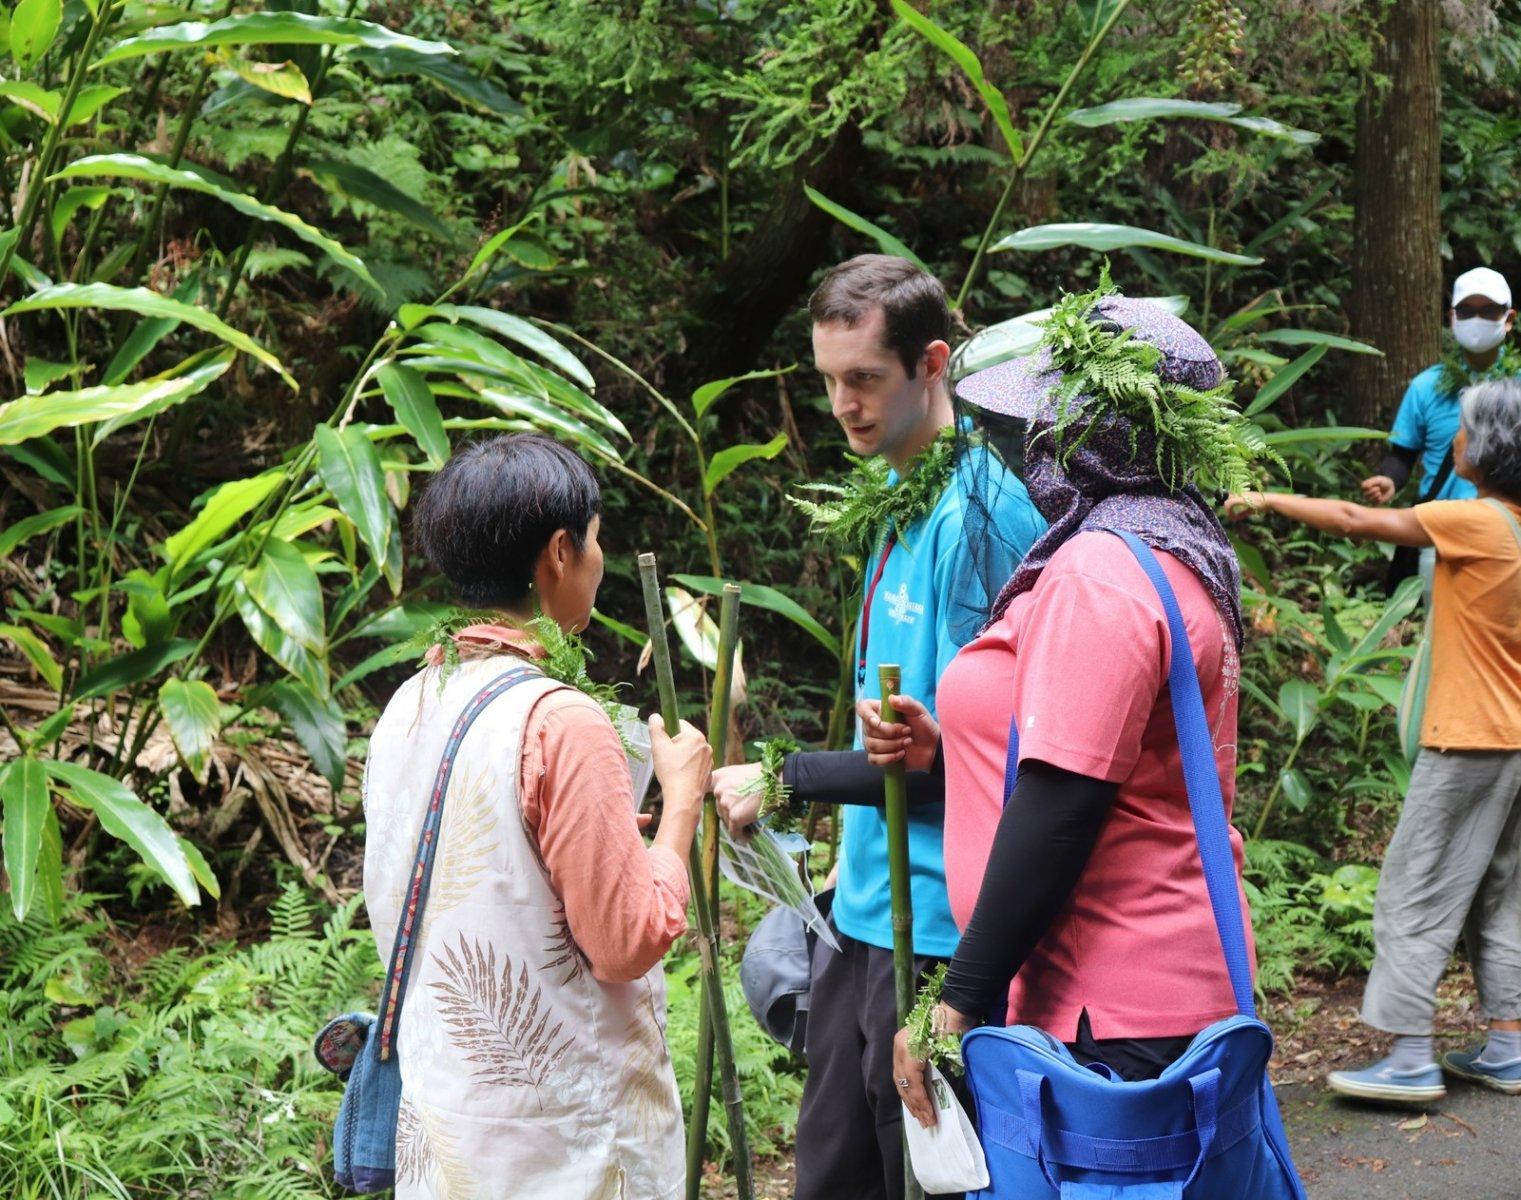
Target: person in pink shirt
(1079,877)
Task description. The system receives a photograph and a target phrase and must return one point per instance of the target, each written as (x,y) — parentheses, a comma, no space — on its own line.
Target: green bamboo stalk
(890,678)
(707,942)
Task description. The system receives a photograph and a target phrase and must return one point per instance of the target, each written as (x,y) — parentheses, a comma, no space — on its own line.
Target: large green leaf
(1150,108)
(147,304)
(124,816)
(885,241)
(24,808)
(33,97)
(149,333)
(36,652)
(351,471)
(732,457)
(50,867)
(524,334)
(18,532)
(1322,435)
(34,25)
(33,416)
(709,393)
(411,399)
(547,416)
(1400,606)
(318,725)
(770,599)
(195,179)
(962,56)
(200,868)
(1313,337)
(448,73)
(1300,703)
(269,28)
(194,715)
(224,508)
(286,651)
(284,585)
(358,183)
(134,667)
(1284,379)
(1094,236)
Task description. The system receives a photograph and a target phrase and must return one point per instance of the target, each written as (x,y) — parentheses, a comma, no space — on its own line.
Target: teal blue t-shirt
(918,613)
(1427,422)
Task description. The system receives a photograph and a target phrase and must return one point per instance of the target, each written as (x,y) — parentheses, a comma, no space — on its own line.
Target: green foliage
(1306,914)
(189,1075)
(768,1077)
(940,1049)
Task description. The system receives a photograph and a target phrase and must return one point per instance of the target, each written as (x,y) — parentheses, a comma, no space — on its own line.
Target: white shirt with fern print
(522,1075)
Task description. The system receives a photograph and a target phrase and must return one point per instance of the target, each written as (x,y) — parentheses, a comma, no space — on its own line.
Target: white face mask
(1477,335)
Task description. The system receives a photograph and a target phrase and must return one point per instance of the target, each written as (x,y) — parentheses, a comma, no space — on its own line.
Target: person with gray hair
(1454,864)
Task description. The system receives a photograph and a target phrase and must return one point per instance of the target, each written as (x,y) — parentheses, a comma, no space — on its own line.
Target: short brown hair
(914,309)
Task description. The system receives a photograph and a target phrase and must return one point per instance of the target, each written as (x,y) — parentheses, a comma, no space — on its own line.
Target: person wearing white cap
(1481,318)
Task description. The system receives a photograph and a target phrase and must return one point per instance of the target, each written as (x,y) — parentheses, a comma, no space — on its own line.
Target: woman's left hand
(911,1077)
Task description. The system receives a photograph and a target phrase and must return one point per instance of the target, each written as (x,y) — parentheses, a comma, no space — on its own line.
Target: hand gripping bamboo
(714,1013)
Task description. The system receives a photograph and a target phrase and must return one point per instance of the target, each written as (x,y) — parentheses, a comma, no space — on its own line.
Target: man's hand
(738,794)
(912,742)
(1378,489)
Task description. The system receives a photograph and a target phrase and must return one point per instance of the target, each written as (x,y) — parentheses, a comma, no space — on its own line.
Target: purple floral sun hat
(1096,466)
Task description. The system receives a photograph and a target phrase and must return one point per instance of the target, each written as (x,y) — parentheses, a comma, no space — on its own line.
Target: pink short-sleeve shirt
(1083,659)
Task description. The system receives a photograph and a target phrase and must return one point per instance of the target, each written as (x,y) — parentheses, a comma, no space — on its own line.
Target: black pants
(850,1129)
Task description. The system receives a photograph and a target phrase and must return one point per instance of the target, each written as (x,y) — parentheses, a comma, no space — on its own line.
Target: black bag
(1407,559)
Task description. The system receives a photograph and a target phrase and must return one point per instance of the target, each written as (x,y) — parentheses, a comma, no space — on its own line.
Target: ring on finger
(902,1084)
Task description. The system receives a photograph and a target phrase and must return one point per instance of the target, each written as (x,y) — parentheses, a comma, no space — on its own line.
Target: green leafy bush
(189,1075)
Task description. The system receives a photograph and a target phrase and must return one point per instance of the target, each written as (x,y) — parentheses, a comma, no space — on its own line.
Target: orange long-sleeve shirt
(625,900)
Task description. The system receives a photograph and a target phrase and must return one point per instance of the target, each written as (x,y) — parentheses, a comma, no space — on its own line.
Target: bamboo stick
(704,902)
(890,679)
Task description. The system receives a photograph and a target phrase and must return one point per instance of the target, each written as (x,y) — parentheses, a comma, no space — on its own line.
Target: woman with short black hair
(531,1040)
(1454,864)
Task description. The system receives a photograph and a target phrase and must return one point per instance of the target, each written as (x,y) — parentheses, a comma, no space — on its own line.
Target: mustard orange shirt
(1473,701)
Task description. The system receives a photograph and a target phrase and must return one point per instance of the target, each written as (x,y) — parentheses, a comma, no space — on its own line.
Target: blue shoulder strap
(1205,801)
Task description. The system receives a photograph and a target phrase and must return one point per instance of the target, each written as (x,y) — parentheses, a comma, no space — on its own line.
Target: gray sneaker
(1382,1082)
(1466,1064)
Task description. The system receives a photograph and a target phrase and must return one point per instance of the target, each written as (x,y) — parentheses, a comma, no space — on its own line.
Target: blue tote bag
(1209,1127)
(360,1048)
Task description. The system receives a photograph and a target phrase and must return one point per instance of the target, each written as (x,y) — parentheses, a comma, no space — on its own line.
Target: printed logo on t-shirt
(900,608)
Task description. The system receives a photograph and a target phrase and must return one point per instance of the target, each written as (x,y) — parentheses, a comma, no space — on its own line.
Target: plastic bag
(947,1158)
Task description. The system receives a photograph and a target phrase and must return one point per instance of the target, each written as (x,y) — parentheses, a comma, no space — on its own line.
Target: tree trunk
(767,275)
(1396,301)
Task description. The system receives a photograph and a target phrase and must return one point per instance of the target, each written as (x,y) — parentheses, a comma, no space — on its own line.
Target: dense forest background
(264,264)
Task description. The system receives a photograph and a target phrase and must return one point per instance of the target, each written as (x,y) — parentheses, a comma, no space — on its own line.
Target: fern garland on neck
(1111,372)
(859,513)
(1457,374)
(563,659)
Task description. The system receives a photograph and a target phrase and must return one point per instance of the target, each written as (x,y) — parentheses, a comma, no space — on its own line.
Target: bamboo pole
(704,902)
(890,679)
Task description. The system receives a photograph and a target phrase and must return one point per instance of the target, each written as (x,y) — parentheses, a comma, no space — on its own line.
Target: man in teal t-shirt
(880,339)
(1480,319)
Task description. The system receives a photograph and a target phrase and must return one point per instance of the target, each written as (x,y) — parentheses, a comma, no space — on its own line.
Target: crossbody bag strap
(1205,801)
(422,864)
(1444,472)
(1510,518)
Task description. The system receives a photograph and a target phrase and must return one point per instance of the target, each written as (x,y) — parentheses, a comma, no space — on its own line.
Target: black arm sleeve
(1397,463)
(845,777)
(1044,838)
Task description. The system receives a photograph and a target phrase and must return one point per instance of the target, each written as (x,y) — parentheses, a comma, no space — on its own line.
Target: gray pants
(1454,866)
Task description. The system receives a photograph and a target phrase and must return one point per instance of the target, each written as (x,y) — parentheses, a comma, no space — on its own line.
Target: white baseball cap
(1481,281)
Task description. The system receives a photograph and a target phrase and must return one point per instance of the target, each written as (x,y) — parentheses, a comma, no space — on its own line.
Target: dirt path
(1466,1148)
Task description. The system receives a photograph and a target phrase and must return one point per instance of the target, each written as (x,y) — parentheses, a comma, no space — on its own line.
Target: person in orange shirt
(1454,864)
